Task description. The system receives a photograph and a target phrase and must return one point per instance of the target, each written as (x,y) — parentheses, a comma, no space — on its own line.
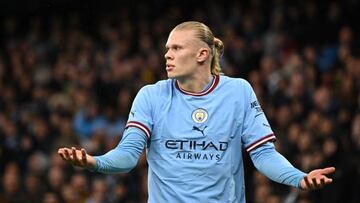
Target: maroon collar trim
(215,82)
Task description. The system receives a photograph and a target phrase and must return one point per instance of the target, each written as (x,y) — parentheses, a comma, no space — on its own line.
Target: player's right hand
(77,157)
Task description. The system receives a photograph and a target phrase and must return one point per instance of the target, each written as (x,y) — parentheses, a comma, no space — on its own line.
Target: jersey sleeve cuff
(267,138)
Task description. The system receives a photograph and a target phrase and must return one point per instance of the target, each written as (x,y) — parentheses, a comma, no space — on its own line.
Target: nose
(168,55)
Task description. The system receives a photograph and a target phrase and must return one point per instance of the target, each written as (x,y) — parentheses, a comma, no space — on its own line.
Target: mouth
(169,67)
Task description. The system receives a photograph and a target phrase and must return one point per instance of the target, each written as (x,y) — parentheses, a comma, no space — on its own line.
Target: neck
(195,84)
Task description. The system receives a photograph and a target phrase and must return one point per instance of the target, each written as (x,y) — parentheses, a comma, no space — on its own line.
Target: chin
(171,75)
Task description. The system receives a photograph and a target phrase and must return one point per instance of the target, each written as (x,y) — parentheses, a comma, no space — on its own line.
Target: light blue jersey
(194,153)
(195,141)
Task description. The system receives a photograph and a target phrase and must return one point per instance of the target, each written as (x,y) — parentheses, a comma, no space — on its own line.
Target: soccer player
(194,126)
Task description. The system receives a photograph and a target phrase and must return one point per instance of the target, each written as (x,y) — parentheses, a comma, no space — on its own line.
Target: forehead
(182,37)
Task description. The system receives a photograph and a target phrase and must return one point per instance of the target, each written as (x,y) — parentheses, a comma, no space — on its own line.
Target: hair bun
(219,45)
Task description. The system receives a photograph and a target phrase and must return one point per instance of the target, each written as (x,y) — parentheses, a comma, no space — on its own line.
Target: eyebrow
(167,47)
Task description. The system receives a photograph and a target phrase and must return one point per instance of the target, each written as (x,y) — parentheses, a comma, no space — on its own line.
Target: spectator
(58,65)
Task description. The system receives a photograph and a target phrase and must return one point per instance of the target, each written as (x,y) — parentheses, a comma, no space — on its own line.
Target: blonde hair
(204,33)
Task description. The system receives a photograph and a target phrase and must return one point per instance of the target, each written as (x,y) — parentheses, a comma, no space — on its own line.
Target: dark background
(69,71)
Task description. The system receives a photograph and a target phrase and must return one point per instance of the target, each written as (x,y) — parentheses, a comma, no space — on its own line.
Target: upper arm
(141,113)
(256,128)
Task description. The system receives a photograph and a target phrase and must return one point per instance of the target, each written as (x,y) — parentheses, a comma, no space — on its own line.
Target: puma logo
(198,129)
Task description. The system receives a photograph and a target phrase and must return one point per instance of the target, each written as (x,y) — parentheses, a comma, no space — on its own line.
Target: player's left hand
(317,179)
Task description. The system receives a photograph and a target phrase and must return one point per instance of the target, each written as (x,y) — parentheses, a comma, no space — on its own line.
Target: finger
(307,182)
(328,170)
(314,183)
(83,157)
(61,154)
(322,181)
(74,156)
(319,183)
(327,180)
(60,151)
(67,154)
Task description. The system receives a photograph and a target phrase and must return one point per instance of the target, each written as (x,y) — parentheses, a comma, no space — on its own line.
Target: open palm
(317,179)
(77,157)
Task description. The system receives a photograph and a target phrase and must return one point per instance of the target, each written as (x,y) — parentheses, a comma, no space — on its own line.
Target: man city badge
(199,115)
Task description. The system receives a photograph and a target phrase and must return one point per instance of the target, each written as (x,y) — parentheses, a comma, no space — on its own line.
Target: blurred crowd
(69,78)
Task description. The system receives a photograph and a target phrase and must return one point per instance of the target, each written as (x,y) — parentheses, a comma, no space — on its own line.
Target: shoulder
(237,83)
(159,88)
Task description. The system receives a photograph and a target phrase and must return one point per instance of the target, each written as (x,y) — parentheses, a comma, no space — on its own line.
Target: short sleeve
(140,115)
(256,128)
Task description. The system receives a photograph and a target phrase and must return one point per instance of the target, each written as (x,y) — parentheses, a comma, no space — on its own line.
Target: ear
(203,55)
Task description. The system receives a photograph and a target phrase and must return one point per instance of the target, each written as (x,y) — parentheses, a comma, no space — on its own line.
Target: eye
(173,48)
(176,47)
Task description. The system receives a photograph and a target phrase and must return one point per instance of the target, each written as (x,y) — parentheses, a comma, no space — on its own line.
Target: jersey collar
(214,83)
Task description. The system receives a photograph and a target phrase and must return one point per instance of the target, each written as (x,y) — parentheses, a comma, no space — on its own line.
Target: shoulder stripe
(140,126)
(261,141)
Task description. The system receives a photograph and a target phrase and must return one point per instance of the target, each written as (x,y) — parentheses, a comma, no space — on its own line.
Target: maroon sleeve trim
(261,141)
(140,126)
